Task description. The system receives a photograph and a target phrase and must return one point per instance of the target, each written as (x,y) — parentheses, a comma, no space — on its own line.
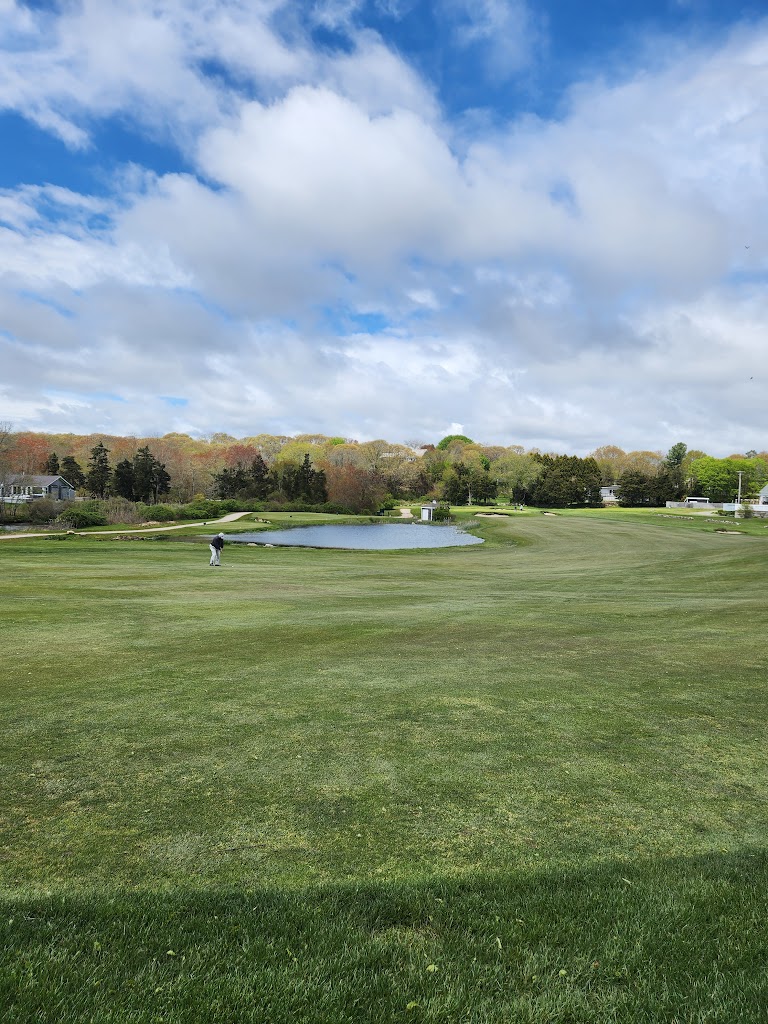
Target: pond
(374,537)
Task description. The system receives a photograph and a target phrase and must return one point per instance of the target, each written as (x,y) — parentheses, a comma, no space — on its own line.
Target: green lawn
(519,782)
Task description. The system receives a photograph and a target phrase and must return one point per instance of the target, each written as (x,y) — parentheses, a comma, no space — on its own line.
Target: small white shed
(427,511)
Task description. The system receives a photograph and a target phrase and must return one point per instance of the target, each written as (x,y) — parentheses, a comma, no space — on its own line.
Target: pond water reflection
(373,537)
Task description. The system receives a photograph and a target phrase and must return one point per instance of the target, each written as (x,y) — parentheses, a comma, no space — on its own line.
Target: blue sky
(541,223)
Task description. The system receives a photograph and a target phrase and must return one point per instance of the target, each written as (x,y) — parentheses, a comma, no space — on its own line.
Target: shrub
(332,507)
(44,510)
(200,508)
(85,513)
(120,510)
(160,513)
(335,509)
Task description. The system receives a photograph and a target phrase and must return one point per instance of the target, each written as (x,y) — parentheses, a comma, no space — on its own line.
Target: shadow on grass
(678,941)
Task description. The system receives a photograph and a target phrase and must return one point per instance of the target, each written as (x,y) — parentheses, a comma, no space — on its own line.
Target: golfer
(216,545)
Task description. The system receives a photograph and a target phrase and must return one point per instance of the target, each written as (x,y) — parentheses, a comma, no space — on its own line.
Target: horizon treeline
(364,475)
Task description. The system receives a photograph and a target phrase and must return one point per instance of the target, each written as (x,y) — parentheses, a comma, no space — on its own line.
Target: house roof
(37,479)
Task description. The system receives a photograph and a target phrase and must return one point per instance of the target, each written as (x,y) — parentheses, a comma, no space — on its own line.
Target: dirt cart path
(229,518)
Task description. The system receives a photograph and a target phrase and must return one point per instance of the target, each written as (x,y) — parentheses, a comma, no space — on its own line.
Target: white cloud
(16,20)
(377,80)
(335,14)
(152,61)
(43,259)
(137,58)
(318,172)
(507,31)
(423,297)
(563,283)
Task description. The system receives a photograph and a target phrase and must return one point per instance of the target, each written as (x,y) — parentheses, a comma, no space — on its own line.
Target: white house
(758,508)
(21,487)
(610,493)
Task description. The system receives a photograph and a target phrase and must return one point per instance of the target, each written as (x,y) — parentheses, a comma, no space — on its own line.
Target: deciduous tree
(516,473)
(355,488)
(611,461)
(448,440)
(30,452)
(718,479)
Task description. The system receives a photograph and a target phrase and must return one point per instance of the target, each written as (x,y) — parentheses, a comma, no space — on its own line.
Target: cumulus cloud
(341,258)
(320,173)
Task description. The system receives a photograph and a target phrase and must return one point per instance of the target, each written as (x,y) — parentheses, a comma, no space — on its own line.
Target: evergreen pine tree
(259,477)
(122,482)
(318,493)
(143,474)
(161,479)
(99,474)
(72,472)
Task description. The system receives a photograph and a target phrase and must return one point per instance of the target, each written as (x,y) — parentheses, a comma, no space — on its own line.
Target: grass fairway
(519,782)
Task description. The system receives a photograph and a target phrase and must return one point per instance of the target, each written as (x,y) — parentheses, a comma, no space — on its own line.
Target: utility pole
(739,511)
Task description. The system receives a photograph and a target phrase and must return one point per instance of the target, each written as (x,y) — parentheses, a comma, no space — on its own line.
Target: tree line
(363,476)
(142,478)
(284,483)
